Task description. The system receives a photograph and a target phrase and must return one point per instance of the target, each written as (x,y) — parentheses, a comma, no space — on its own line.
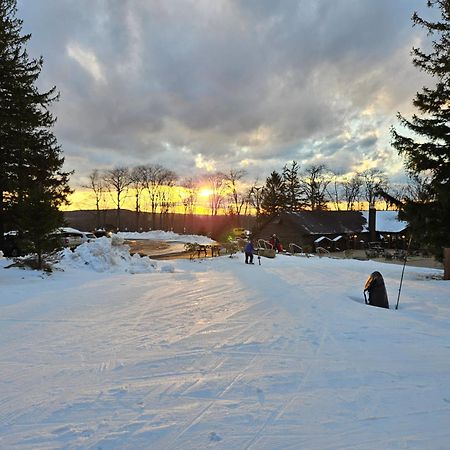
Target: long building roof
(345,222)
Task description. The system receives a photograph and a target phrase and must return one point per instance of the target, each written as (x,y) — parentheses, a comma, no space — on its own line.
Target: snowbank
(109,255)
(159,235)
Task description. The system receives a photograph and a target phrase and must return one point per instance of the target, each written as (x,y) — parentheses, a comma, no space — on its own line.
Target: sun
(204,192)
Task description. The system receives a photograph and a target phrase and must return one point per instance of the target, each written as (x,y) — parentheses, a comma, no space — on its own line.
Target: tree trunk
(97,206)
(2,215)
(446,263)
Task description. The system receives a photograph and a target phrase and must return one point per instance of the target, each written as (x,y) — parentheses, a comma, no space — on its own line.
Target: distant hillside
(215,226)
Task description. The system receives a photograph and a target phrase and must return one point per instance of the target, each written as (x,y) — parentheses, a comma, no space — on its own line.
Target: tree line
(161,192)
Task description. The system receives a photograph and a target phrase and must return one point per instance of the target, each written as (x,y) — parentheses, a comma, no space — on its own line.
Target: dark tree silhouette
(427,151)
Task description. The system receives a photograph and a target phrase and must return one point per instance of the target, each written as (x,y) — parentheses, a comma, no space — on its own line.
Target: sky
(112,351)
(201,86)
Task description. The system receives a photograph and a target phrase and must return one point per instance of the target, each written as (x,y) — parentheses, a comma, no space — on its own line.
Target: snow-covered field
(112,352)
(169,236)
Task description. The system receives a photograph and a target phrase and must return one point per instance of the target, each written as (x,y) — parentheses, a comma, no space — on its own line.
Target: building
(334,230)
(390,232)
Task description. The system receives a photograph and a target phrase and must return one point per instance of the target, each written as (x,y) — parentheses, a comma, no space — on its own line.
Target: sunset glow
(205,192)
(83,199)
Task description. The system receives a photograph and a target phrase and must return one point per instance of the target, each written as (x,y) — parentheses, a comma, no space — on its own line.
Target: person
(249,249)
(376,290)
(276,244)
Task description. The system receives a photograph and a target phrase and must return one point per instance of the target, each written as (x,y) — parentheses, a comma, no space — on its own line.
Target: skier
(249,249)
(377,291)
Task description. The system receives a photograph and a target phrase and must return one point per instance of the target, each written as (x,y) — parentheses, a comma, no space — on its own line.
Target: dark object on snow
(377,291)
(249,250)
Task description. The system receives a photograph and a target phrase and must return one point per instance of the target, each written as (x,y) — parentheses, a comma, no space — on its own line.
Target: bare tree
(374,181)
(217,185)
(118,181)
(137,178)
(189,198)
(255,196)
(97,185)
(191,190)
(334,190)
(419,189)
(315,181)
(153,179)
(237,197)
(351,191)
(166,197)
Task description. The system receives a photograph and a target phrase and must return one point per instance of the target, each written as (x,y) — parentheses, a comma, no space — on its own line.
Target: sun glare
(204,192)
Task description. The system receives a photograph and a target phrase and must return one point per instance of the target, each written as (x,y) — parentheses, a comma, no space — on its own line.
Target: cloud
(87,60)
(194,85)
(201,163)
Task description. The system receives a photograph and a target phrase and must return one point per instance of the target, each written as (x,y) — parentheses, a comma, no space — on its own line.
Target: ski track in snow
(223,355)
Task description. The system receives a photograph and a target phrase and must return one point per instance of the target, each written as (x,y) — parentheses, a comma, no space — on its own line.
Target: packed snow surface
(217,354)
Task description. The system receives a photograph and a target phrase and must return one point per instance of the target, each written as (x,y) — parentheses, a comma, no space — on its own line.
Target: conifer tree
(31,179)
(427,148)
(294,191)
(273,194)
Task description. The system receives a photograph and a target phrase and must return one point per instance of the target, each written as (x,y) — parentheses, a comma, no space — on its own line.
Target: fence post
(446,263)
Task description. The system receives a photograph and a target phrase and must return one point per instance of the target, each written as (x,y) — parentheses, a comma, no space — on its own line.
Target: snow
(109,353)
(166,236)
(68,230)
(107,255)
(386,221)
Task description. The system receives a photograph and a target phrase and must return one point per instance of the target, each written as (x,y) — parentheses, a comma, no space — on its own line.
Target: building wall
(287,233)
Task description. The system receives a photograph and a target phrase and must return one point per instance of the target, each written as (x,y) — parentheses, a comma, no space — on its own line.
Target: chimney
(372,224)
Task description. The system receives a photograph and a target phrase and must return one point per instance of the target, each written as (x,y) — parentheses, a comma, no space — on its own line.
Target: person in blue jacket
(249,250)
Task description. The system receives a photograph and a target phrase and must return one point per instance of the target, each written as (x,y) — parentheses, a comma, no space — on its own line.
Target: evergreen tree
(31,180)
(428,153)
(273,194)
(294,191)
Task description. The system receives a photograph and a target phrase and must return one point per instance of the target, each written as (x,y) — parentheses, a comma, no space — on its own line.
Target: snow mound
(158,235)
(108,255)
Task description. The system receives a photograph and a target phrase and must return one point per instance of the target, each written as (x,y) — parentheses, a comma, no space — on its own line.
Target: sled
(266,252)
(296,250)
(265,249)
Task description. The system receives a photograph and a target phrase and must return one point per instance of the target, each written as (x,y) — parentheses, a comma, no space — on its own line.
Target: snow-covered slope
(218,354)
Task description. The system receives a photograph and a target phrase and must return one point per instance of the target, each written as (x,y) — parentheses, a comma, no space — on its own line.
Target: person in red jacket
(275,243)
